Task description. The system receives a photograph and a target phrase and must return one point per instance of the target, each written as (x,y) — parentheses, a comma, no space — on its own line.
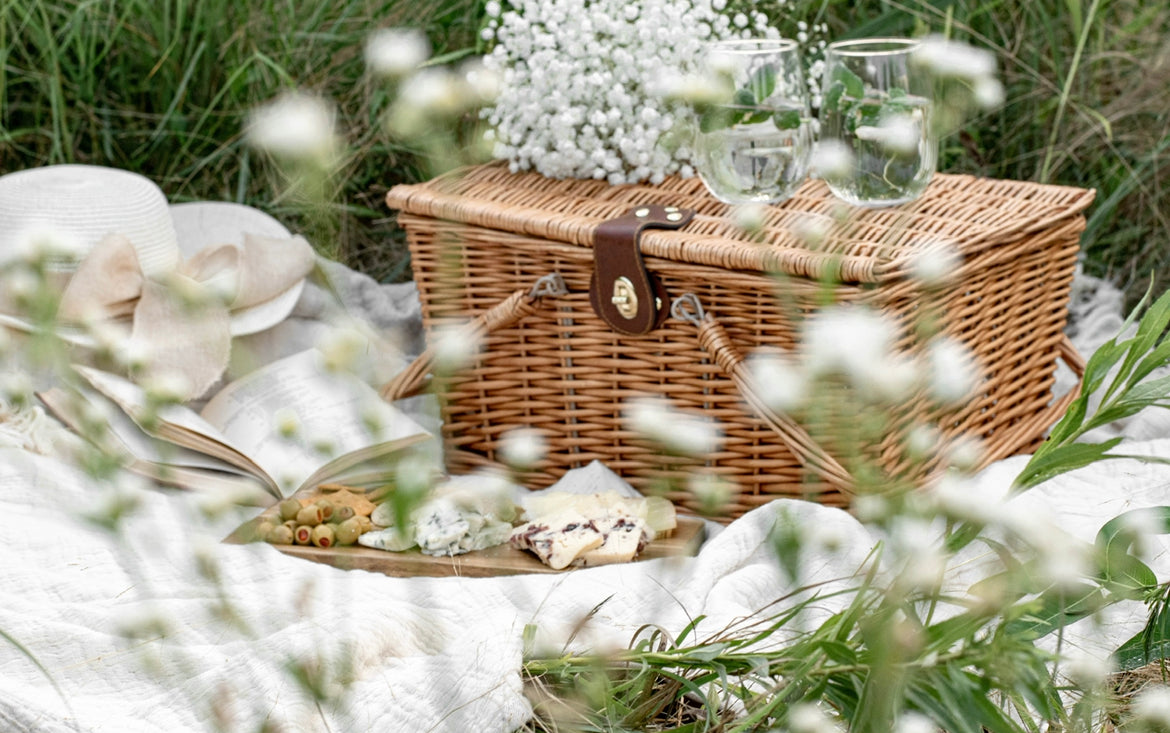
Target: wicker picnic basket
(510,258)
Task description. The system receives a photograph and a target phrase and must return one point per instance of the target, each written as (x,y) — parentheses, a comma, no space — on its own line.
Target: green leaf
(1055,609)
(854,86)
(708,652)
(744,98)
(1150,329)
(787,119)
(718,117)
(762,83)
(1062,458)
(1121,571)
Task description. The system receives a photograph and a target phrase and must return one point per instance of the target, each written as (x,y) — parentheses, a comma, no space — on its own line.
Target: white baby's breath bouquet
(600,88)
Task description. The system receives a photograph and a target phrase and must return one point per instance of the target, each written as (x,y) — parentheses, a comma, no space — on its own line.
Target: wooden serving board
(492,562)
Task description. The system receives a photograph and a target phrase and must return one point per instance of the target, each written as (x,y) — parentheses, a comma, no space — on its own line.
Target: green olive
(327,509)
(263,527)
(303,535)
(348,531)
(280,534)
(342,513)
(310,515)
(288,509)
(323,535)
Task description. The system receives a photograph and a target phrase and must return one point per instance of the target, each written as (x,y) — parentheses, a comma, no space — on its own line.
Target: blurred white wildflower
(1084,669)
(286,422)
(165,386)
(809,718)
(1151,708)
(674,430)
(782,385)
(870,507)
(296,126)
(918,549)
(749,217)
(911,722)
(965,453)
(935,262)
(396,52)
(847,340)
(946,58)
(145,621)
(988,93)
(133,354)
(43,243)
(953,371)
(1063,561)
(922,441)
(691,88)
(21,285)
(1138,527)
(831,159)
(712,493)
(428,95)
(483,84)
(523,448)
(858,343)
(342,348)
(958,498)
(16,388)
(591,87)
(454,350)
(812,228)
(900,133)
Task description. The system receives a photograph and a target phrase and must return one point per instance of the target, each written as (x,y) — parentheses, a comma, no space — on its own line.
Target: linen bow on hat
(183,320)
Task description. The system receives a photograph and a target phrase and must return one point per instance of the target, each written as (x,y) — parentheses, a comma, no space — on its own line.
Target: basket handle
(1028,429)
(521,303)
(714,339)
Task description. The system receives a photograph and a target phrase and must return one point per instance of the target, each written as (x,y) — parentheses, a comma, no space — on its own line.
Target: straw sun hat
(82,204)
(124,243)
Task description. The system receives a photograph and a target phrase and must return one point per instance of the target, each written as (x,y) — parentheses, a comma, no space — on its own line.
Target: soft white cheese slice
(558,539)
(625,537)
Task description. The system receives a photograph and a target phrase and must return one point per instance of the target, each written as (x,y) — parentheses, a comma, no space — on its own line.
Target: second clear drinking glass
(755,147)
(876,110)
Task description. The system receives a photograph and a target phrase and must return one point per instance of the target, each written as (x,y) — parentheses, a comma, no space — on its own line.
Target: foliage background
(162,87)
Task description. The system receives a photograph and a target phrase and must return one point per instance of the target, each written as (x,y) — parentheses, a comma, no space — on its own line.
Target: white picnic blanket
(163,627)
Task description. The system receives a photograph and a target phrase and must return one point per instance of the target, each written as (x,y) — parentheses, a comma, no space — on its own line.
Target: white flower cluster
(579,77)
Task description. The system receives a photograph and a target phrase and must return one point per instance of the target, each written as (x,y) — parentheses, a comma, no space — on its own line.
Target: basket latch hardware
(623,292)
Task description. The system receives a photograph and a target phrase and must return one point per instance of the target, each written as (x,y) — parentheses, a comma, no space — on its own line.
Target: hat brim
(199,224)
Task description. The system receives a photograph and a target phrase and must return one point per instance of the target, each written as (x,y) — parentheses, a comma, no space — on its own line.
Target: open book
(289,425)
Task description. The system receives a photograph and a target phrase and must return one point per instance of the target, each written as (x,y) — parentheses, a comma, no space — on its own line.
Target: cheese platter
(505,558)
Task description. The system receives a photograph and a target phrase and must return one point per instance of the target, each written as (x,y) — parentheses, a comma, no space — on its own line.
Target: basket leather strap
(622,291)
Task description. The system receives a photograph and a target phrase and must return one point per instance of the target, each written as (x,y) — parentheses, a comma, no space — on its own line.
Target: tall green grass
(1087,104)
(163,86)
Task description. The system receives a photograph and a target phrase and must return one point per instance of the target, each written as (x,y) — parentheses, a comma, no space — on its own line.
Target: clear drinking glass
(876,112)
(755,147)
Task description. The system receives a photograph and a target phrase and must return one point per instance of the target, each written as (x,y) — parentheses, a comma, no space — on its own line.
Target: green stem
(1066,91)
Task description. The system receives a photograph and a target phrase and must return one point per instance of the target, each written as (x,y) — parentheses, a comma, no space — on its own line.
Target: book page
(176,424)
(337,420)
(131,440)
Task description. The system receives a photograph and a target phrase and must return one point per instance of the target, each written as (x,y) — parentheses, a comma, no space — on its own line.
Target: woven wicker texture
(481,235)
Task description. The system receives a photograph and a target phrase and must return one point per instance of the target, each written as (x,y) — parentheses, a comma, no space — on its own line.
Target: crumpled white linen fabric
(131,632)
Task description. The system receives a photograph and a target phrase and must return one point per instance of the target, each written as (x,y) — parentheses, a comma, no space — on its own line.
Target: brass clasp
(625,297)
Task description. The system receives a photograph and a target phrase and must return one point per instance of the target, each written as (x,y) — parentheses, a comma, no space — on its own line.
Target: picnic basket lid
(854,245)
